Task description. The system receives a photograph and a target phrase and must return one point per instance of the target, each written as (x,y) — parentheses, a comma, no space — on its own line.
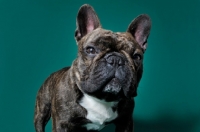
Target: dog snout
(115,59)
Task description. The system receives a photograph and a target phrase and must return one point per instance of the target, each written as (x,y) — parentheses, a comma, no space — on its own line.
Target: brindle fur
(60,94)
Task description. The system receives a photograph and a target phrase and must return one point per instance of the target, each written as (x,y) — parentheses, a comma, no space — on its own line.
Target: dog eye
(90,50)
(137,57)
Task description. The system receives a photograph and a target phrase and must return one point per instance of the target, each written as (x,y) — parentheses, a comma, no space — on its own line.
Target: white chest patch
(98,112)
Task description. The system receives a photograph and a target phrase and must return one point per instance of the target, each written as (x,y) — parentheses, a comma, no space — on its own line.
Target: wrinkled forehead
(111,39)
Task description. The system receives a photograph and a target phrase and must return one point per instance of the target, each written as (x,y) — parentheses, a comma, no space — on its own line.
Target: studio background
(37,38)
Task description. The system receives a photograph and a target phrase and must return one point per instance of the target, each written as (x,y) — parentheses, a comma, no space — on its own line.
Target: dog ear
(140,29)
(86,21)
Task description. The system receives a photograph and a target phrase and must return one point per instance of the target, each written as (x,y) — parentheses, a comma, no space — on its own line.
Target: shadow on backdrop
(164,123)
(168,123)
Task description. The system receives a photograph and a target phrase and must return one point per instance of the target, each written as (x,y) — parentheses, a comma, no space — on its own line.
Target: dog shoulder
(53,79)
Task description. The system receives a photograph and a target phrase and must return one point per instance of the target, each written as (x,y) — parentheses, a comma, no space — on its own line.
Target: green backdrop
(37,38)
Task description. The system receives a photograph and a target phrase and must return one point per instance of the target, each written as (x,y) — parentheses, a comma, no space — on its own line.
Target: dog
(100,86)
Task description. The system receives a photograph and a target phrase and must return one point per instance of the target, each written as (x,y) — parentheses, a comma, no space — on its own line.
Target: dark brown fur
(60,94)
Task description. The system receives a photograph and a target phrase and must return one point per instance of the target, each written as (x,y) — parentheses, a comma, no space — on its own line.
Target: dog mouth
(113,90)
(113,86)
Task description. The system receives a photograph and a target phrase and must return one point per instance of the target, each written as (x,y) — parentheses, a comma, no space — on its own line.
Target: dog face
(109,65)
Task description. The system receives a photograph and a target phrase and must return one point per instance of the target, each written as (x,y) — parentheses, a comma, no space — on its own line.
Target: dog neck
(99,112)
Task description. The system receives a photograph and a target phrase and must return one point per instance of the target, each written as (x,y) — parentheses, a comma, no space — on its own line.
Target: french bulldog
(100,86)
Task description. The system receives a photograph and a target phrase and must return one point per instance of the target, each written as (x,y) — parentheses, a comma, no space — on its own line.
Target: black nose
(115,59)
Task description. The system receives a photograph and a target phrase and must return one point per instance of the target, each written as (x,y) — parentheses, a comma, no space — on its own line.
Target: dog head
(109,65)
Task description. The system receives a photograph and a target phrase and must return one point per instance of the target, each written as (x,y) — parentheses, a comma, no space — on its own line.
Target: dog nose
(115,59)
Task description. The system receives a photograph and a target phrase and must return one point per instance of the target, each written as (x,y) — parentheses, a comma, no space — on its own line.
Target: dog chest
(98,112)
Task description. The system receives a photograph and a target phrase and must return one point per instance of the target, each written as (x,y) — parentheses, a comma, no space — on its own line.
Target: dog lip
(114,82)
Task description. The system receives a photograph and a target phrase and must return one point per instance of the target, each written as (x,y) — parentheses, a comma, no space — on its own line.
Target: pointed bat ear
(140,29)
(86,21)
